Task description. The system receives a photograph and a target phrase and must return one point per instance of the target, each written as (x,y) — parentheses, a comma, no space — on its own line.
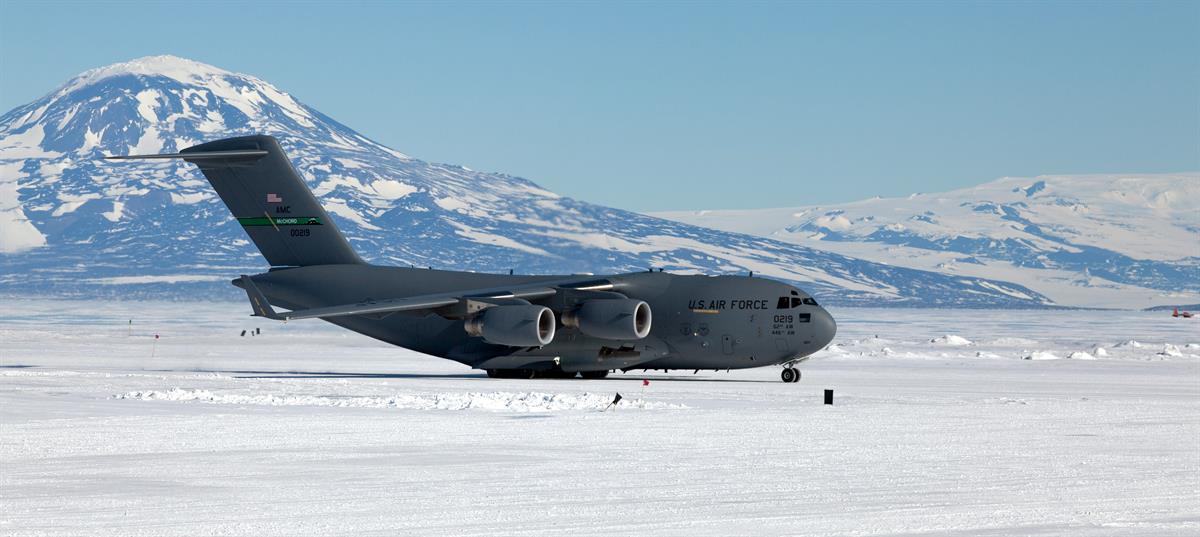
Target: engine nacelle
(515,326)
(617,318)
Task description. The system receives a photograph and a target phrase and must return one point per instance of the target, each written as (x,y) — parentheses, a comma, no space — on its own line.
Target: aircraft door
(727,344)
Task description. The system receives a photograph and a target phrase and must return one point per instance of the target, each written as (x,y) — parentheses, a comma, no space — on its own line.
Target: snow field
(306,429)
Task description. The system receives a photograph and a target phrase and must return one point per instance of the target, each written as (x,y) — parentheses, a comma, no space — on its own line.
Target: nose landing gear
(790,374)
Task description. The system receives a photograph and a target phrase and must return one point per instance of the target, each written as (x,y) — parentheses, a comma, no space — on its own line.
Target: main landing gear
(790,374)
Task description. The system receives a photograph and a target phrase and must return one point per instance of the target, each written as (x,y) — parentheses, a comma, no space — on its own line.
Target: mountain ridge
(1094,240)
(76,225)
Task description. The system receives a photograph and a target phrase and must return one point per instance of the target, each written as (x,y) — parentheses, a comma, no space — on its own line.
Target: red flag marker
(645,382)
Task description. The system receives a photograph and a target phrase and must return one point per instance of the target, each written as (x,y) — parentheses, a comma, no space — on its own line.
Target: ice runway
(945,423)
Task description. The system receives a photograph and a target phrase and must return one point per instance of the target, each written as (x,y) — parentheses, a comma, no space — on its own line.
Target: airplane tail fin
(269,199)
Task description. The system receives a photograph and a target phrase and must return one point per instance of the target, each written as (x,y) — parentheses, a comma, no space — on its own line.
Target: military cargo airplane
(510,326)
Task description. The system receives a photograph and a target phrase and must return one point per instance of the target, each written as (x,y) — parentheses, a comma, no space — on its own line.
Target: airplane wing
(262,308)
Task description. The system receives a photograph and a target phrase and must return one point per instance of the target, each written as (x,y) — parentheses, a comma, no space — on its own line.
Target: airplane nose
(825,327)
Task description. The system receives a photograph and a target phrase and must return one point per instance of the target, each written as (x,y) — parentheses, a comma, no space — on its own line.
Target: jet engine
(515,325)
(617,318)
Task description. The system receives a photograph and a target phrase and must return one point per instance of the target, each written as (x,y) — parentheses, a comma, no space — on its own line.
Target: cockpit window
(788,302)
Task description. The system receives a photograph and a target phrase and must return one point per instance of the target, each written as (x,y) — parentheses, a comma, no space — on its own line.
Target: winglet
(258,302)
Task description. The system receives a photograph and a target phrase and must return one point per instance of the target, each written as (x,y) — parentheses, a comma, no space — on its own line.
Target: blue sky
(688,106)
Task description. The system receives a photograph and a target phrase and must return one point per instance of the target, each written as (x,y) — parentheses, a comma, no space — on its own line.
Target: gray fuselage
(699,322)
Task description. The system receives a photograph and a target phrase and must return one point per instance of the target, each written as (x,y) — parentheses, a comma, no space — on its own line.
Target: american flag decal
(272,198)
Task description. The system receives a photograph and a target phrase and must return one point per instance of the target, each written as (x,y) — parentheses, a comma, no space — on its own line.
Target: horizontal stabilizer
(234,154)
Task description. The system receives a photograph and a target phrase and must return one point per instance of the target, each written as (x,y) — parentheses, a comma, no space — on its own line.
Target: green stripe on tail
(284,221)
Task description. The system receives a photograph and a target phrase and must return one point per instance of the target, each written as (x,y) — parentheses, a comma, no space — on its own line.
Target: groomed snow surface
(945,423)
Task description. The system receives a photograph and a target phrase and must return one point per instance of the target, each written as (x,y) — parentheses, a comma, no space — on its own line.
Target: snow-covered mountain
(1090,240)
(72,224)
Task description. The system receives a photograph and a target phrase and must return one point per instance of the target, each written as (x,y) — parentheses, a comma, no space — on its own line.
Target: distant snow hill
(74,225)
(1128,241)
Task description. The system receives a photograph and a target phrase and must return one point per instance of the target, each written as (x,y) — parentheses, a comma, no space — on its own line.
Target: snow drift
(491,401)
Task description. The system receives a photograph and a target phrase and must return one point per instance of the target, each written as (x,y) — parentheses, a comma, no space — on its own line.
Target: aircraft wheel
(790,375)
(594,375)
(493,373)
(526,374)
